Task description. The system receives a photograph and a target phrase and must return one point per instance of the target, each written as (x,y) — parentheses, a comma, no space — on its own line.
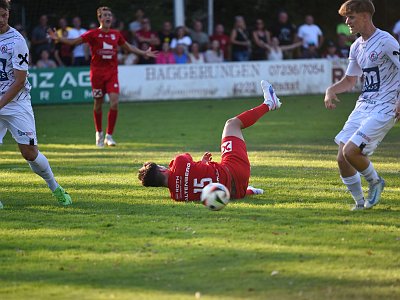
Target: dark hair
(357,6)
(101,9)
(5,4)
(149,175)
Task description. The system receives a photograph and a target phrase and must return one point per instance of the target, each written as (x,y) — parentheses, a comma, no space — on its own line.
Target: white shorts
(20,122)
(365,130)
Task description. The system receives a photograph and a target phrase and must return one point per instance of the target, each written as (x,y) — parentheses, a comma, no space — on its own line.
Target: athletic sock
(370,174)
(42,167)
(251,116)
(112,119)
(98,119)
(353,184)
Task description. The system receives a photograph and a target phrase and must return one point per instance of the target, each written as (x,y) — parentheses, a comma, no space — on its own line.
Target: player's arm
(393,52)
(130,48)
(207,157)
(13,90)
(55,37)
(344,85)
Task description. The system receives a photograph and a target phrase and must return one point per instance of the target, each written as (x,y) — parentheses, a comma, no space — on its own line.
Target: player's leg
(234,126)
(351,178)
(98,120)
(112,119)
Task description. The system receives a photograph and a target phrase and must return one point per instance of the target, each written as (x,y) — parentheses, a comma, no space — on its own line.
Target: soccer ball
(215,196)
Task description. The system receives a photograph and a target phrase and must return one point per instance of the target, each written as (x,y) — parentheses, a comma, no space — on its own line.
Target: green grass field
(298,240)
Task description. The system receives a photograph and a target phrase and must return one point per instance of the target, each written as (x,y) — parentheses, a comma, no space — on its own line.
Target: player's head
(152,174)
(5,4)
(104,16)
(356,7)
(4,15)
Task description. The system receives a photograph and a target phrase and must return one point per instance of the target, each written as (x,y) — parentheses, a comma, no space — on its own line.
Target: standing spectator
(181,38)
(63,26)
(80,53)
(342,47)
(45,61)
(165,56)
(181,57)
(285,31)
(104,43)
(195,56)
(199,36)
(146,35)
(214,54)
(310,52)
(136,24)
(223,39)
(310,34)
(396,31)
(331,52)
(275,51)
(343,29)
(146,60)
(240,40)
(39,40)
(166,33)
(63,52)
(261,38)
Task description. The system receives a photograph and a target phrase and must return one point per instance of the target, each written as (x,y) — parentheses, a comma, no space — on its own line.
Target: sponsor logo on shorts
(28,133)
(97,93)
(364,136)
(226,147)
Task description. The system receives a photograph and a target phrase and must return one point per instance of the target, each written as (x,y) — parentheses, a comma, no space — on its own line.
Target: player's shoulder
(385,35)
(13,37)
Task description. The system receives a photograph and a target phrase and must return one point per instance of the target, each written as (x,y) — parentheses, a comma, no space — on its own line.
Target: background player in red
(186,178)
(104,42)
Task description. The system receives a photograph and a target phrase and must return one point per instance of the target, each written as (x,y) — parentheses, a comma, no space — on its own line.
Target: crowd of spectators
(280,40)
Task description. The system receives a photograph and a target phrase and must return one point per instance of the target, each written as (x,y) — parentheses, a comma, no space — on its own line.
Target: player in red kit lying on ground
(186,178)
(104,42)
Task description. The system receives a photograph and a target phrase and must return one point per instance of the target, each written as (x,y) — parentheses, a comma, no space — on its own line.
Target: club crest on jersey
(112,36)
(226,147)
(373,56)
(3,49)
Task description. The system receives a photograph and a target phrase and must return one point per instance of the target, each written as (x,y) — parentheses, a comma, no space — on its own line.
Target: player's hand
(150,53)
(397,111)
(52,34)
(207,157)
(330,97)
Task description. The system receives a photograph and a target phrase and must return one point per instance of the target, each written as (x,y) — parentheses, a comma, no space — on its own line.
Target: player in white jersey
(375,57)
(16,114)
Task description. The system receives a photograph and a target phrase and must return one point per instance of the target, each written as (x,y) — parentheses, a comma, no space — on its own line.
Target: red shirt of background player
(187,177)
(104,48)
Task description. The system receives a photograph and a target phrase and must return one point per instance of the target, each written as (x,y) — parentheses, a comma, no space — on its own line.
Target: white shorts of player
(365,130)
(20,121)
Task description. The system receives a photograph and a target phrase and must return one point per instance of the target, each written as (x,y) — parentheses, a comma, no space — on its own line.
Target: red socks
(98,117)
(112,119)
(251,116)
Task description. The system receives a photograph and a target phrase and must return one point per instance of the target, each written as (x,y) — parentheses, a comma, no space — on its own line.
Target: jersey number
(198,186)
(3,74)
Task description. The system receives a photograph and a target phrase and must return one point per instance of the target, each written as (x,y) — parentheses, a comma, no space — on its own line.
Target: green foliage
(119,240)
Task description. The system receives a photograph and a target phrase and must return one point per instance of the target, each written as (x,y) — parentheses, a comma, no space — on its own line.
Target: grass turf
(119,240)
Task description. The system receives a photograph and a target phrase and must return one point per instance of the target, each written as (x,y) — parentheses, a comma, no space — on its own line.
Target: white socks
(370,174)
(41,167)
(353,183)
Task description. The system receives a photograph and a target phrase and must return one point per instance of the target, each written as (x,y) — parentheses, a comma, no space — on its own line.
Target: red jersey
(187,178)
(104,47)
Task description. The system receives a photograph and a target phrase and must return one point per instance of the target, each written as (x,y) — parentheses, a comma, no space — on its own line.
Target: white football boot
(99,139)
(374,193)
(270,97)
(109,141)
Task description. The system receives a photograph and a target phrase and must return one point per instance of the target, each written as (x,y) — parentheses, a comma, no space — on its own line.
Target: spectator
(331,52)
(342,28)
(120,26)
(285,31)
(80,53)
(165,56)
(199,36)
(45,61)
(63,52)
(137,23)
(223,39)
(145,60)
(181,38)
(276,51)
(396,31)
(240,40)
(166,34)
(214,54)
(195,56)
(181,57)
(310,34)
(310,52)
(342,48)
(146,35)
(39,40)
(63,26)
(261,38)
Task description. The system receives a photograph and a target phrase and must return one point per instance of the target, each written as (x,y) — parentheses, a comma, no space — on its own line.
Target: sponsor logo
(372,80)
(226,147)
(106,51)
(373,56)
(97,93)
(186,186)
(27,133)
(364,136)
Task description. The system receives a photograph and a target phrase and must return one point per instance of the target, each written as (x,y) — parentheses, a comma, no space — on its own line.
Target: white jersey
(14,54)
(378,61)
